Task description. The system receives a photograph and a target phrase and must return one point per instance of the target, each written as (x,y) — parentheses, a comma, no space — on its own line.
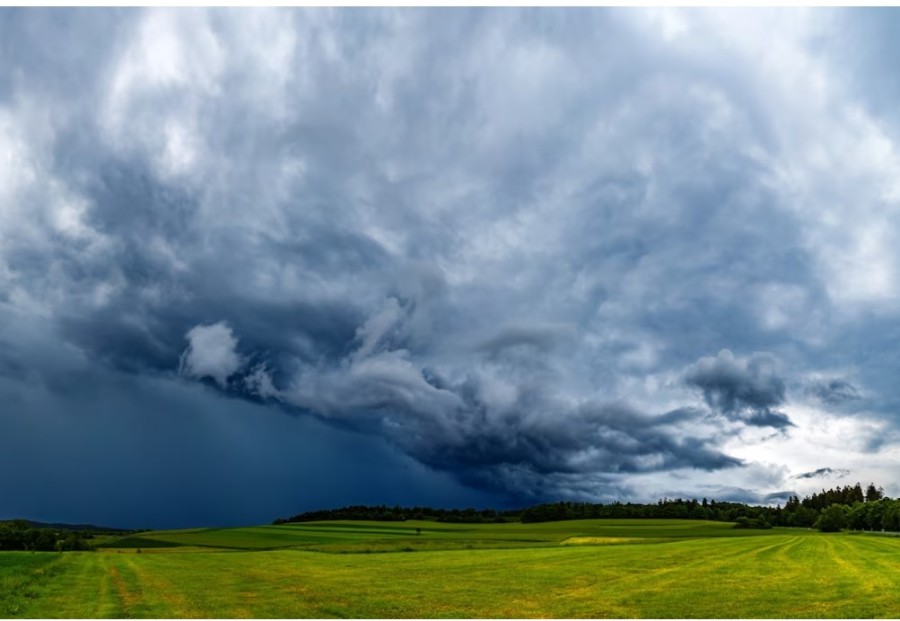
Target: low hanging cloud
(746,389)
(824,473)
(525,440)
(210,353)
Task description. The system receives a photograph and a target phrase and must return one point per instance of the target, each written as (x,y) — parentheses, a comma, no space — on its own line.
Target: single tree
(873,493)
(832,519)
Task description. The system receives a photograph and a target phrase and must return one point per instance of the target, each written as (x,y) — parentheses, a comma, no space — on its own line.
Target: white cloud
(862,444)
(259,382)
(210,353)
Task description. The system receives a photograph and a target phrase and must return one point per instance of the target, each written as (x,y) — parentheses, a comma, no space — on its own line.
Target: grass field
(608,568)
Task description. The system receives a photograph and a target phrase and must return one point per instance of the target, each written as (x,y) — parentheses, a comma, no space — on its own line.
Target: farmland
(589,568)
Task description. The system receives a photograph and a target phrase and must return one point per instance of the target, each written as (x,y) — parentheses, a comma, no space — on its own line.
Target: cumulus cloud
(210,353)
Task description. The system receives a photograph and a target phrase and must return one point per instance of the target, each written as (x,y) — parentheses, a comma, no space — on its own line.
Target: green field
(592,568)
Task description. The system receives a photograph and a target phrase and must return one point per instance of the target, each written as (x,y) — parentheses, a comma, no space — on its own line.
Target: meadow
(587,569)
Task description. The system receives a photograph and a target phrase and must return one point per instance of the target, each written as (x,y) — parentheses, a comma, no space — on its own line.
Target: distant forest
(35,536)
(23,535)
(829,510)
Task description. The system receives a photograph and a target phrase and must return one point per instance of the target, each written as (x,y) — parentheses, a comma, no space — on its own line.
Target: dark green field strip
(260,538)
(175,531)
(406,525)
(368,536)
(390,532)
(139,542)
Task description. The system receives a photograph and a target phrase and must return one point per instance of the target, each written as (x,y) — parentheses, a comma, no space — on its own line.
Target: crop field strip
(354,536)
(622,569)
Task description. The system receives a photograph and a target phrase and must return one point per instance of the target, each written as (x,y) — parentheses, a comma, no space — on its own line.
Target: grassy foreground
(611,568)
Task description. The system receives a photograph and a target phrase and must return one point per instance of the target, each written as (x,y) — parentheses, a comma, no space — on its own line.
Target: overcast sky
(259,262)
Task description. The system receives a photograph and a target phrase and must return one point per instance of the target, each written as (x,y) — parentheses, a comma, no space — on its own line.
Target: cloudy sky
(259,262)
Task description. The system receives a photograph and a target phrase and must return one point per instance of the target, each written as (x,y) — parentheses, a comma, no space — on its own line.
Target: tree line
(23,535)
(856,508)
(882,514)
(383,513)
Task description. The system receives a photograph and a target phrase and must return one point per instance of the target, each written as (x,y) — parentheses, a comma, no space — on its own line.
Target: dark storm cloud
(492,238)
(743,389)
(502,442)
(604,439)
(160,452)
(824,473)
(321,276)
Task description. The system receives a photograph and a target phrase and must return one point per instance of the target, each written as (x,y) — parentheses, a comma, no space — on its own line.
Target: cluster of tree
(677,508)
(882,514)
(384,513)
(759,523)
(23,535)
(847,495)
(806,512)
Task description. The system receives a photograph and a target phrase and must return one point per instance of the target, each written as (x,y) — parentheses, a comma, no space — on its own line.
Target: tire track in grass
(127,599)
(108,603)
(158,591)
(73,589)
(130,588)
(92,574)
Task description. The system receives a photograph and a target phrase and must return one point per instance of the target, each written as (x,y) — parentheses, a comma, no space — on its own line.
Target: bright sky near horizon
(254,262)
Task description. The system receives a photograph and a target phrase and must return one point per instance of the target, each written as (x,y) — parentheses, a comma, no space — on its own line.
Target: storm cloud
(535,253)
(745,389)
